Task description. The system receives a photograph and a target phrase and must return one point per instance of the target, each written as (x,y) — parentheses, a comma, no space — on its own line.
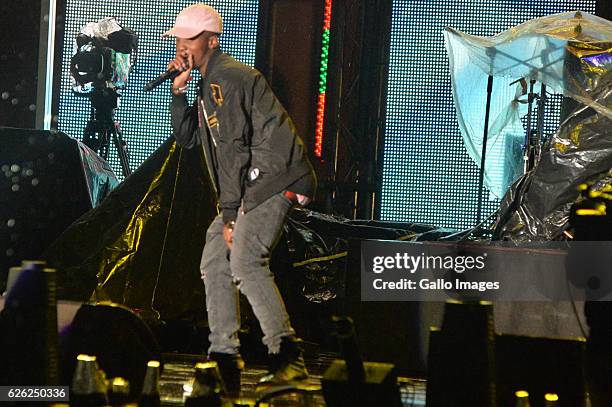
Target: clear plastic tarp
(569,52)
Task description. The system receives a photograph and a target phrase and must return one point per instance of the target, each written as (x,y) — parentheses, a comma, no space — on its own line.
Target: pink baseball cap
(194,20)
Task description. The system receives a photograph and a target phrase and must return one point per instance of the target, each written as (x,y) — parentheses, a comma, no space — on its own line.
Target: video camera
(103,56)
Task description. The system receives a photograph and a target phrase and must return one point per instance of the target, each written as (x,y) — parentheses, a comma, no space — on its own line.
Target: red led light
(327,15)
(319,127)
(318,148)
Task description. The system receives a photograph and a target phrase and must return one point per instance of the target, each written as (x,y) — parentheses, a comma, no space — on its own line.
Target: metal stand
(528,131)
(532,146)
(483,155)
(102,126)
(533,138)
(536,141)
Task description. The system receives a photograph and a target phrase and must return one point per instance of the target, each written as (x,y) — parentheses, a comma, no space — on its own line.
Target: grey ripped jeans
(246,269)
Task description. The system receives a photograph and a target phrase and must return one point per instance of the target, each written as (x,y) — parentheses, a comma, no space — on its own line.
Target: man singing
(259,169)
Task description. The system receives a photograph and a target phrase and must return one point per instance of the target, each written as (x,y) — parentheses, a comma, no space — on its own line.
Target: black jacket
(250,143)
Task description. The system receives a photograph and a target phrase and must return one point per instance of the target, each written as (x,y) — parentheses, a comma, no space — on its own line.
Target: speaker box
(390,332)
(379,387)
(47,180)
(535,364)
(540,366)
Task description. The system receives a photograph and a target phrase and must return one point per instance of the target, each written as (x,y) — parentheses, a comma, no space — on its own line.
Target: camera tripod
(102,126)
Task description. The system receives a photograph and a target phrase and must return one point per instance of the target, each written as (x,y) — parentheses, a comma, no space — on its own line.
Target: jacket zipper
(202,111)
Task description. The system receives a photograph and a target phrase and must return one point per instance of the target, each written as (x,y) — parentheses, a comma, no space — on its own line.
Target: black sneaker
(230,366)
(286,367)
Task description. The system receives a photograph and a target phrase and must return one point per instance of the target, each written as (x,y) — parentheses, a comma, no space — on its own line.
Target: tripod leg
(103,147)
(94,137)
(122,151)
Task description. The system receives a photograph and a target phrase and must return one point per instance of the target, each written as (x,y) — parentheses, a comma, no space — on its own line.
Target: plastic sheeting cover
(142,245)
(569,52)
(537,207)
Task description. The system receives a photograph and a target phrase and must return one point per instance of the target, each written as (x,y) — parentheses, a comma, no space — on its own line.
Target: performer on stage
(259,168)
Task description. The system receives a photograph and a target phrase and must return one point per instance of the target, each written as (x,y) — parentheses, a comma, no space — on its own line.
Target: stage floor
(179,372)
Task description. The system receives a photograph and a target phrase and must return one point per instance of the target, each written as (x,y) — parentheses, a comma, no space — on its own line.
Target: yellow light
(594,194)
(153,363)
(521,394)
(589,212)
(86,358)
(119,381)
(551,397)
(205,365)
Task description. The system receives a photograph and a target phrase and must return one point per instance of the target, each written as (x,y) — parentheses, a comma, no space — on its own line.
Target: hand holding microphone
(183,64)
(179,70)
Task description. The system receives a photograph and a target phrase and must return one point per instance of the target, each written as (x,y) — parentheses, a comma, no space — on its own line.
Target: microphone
(161,79)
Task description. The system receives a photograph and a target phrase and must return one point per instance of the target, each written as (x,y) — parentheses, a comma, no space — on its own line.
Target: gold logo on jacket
(212,120)
(217,95)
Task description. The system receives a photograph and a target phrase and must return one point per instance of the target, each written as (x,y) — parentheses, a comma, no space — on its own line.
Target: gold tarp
(142,245)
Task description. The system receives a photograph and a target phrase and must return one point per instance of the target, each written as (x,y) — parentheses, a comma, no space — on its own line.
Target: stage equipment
(166,76)
(352,382)
(102,127)
(551,400)
(13,275)
(502,56)
(120,340)
(539,366)
(574,63)
(100,69)
(28,327)
(522,399)
(483,154)
(470,365)
(144,117)
(532,145)
(207,386)
(118,391)
(591,220)
(142,246)
(302,393)
(47,180)
(462,357)
(323,69)
(88,386)
(150,387)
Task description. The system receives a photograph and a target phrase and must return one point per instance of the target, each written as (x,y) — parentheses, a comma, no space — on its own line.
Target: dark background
(20,28)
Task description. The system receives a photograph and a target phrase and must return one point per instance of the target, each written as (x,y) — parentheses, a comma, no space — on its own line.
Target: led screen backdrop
(144,117)
(427,174)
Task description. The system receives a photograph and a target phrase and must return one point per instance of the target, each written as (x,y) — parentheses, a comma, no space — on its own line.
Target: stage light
(119,391)
(88,387)
(207,386)
(522,398)
(551,400)
(120,340)
(150,388)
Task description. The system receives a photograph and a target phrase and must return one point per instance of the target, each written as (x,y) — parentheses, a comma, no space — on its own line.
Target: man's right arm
(184,121)
(184,117)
